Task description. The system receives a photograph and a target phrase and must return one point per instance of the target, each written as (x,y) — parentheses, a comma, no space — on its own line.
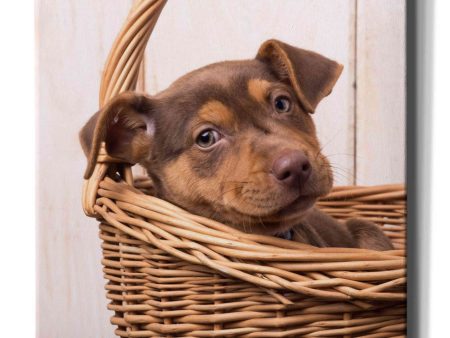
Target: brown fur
(232,181)
(216,113)
(258,89)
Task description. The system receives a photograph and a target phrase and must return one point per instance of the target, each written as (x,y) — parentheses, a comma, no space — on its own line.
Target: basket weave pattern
(174,274)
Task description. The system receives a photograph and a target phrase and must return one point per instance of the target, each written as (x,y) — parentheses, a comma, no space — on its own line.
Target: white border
(440,175)
(17,140)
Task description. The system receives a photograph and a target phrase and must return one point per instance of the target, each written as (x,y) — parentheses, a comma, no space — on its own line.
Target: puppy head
(233,141)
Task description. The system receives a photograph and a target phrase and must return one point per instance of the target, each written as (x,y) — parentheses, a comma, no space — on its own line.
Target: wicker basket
(174,274)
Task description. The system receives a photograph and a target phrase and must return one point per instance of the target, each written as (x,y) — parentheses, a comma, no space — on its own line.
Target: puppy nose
(292,168)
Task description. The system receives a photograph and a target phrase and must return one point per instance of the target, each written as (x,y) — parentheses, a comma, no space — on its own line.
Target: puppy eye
(282,104)
(207,138)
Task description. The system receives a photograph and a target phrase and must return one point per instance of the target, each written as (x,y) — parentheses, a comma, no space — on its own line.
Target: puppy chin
(288,217)
(280,220)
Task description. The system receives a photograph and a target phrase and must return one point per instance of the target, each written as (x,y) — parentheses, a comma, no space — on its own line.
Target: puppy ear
(126,127)
(310,74)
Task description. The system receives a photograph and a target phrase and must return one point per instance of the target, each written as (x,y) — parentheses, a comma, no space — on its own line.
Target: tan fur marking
(258,89)
(217,113)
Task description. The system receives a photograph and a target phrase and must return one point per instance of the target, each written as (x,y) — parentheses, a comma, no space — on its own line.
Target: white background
(18,169)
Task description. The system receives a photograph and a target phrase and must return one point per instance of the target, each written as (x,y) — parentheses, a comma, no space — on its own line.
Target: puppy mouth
(278,220)
(301,203)
(290,214)
(281,204)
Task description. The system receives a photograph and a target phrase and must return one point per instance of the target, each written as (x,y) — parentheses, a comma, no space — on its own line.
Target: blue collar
(288,235)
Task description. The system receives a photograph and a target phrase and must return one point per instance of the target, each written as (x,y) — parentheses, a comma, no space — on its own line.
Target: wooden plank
(380,138)
(74,38)
(193,33)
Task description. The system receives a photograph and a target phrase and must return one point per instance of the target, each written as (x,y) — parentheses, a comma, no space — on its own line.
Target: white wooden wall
(361,125)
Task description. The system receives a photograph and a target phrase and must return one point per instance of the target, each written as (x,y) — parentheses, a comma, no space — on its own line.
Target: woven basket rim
(262,260)
(363,193)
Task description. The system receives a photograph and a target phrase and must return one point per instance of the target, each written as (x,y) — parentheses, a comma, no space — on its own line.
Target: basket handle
(120,74)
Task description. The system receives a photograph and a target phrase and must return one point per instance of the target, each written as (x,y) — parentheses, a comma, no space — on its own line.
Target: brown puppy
(235,141)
